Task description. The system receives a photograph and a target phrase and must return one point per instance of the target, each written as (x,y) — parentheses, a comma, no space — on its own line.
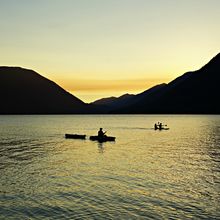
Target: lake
(144,174)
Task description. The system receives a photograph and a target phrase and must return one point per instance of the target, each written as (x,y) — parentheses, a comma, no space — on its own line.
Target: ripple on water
(143,175)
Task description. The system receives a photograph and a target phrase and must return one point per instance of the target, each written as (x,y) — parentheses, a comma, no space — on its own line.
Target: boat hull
(75,136)
(102,139)
(161,129)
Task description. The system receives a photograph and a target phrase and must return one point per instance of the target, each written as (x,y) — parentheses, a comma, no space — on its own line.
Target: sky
(102,48)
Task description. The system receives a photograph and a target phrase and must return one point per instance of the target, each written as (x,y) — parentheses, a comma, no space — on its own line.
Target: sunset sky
(101,48)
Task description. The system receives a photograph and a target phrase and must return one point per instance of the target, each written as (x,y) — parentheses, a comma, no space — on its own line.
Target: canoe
(75,136)
(102,139)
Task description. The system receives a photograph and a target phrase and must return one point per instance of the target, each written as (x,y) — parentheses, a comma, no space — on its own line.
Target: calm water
(145,174)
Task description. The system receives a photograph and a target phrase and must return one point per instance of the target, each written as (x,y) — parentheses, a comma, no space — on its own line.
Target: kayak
(102,139)
(161,129)
(75,136)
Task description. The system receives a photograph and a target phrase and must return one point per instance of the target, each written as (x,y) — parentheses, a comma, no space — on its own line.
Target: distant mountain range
(127,101)
(24,91)
(192,93)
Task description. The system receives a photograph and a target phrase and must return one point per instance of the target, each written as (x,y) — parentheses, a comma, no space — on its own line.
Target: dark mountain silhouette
(192,93)
(24,91)
(105,101)
(111,103)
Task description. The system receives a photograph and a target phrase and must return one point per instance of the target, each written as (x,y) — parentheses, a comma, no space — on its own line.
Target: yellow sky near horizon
(85,89)
(96,49)
(88,88)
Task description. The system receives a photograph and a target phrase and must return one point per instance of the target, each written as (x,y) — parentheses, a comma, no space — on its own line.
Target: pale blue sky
(86,44)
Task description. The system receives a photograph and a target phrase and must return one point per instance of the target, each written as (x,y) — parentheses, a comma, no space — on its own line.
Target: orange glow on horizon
(111,85)
(91,90)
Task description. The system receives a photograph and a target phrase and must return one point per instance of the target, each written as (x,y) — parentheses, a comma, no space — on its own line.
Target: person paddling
(101,133)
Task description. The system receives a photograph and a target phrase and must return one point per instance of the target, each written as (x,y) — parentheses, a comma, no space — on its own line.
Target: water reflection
(101,147)
(144,175)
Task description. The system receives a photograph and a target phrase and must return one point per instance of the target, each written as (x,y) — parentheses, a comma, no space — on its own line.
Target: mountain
(111,103)
(105,101)
(24,91)
(192,93)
